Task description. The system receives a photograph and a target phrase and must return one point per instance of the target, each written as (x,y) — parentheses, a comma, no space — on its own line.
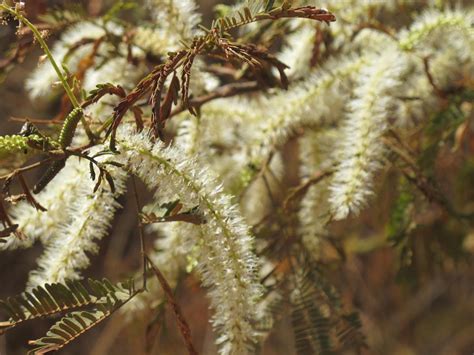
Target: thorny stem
(49,55)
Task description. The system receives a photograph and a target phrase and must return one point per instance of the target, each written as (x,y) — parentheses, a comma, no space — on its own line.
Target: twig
(376,26)
(221,92)
(401,151)
(182,323)
(35,120)
(257,175)
(29,196)
(140,231)
(269,191)
(440,93)
(25,168)
(428,188)
(7,222)
(303,187)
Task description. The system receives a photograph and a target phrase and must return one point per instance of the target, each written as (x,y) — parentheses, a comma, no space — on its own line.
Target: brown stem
(141,234)
(25,168)
(221,92)
(36,121)
(301,189)
(426,186)
(182,323)
(440,93)
(29,195)
(10,227)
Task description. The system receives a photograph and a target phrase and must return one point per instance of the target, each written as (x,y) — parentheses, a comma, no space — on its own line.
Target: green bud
(15,144)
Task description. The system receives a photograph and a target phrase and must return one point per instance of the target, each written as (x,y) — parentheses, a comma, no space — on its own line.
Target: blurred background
(426,307)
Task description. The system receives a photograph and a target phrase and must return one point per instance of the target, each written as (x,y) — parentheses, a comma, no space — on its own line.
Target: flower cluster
(226,261)
(86,216)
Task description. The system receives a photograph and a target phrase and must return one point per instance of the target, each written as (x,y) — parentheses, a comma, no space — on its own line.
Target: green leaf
(57,298)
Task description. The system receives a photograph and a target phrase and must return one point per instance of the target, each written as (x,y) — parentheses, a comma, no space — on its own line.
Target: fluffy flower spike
(226,263)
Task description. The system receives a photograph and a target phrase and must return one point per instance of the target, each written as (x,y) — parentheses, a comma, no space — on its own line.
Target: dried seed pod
(49,175)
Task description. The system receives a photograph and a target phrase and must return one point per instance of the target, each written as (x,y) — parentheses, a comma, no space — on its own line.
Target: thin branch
(25,168)
(182,323)
(228,90)
(10,227)
(301,189)
(29,196)
(35,120)
(426,64)
(427,187)
(140,231)
(378,27)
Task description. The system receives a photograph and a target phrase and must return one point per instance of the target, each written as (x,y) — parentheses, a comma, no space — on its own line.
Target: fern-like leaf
(348,332)
(71,327)
(53,299)
(239,18)
(319,324)
(310,325)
